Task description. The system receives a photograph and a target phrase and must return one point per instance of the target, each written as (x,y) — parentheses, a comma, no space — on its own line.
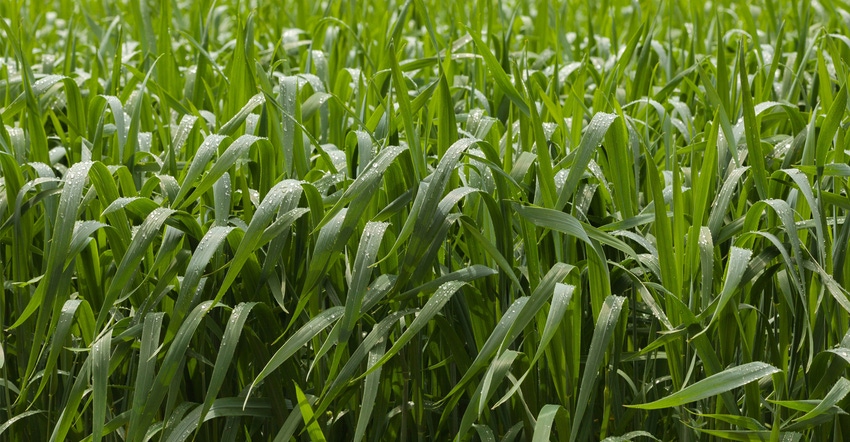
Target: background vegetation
(423,220)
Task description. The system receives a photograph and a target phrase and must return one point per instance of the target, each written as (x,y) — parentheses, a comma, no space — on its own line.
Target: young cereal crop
(415,220)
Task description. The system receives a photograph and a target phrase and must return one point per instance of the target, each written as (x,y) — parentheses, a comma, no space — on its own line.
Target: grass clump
(424,221)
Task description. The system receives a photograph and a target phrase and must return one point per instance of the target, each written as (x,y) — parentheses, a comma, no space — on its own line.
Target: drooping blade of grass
(313,428)
(283,195)
(492,344)
(230,127)
(222,197)
(222,407)
(738,260)
(432,239)
(368,180)
(493,252)
(560,301)
(5,425)
(753,132)
(229,344)
(367,253)
(347,373)
(839,293)
(238,149)
(836,113)
(722,200)
(210,243)
(60,242)
(548,287)
(555,220)
(499,76)
(202,158)
(545,420)
(60,335)
(130,264)
(370,391)
(466,274)
(706,256)
(786,216)
(428,202)
(495,374)
(835,395)
(609,316)
(101,352)
(69,408)
(802,182)
(80,239)
(431,308)
(484,433)
(298,339)
(724,381)
(168,369)
(328,242)
(593,135)
(630,436)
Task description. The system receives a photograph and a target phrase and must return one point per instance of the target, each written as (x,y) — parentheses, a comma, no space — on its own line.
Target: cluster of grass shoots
(417,220)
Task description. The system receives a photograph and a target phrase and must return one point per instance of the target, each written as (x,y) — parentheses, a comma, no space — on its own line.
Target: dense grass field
(422,220)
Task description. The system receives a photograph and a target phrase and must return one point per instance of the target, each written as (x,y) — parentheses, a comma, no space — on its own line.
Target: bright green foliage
(421,220)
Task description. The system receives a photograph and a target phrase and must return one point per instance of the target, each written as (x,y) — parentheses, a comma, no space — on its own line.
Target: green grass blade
(229,344)
(608,319)
(367,253)
(499,76)
(101,352)
(755,158)
(294,343)
(370,391)
(313,428)
(724,381)
(835,395)
(222,407)
(593,135)
(431,308)
(545,420)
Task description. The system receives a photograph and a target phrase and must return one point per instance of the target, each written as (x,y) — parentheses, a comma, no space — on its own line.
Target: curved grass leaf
(298,339)
(367,253)
(545,420)
(609,316)
(835,395)
(724,381)
(431,308)
(593,135)
(229,344)
(222,407)
(5,426)
(370,391)
(313,428)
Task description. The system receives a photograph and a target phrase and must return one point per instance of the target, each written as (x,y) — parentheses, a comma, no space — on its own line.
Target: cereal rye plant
(419,220)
